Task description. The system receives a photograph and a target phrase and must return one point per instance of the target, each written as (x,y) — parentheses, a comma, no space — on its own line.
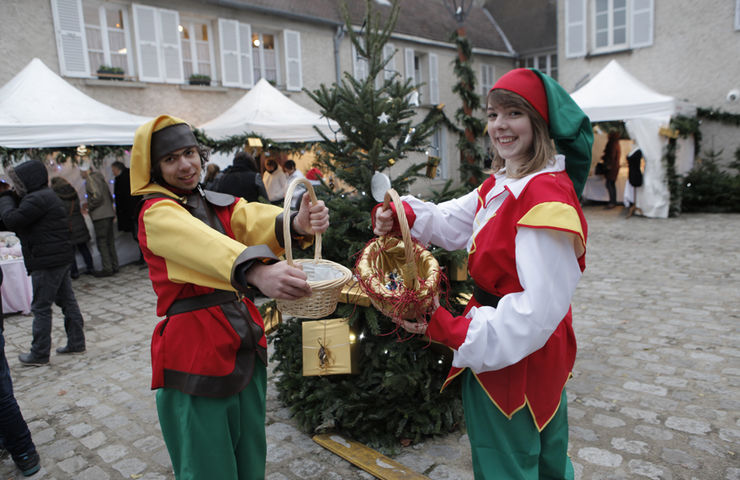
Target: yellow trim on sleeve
(557,216)
(193,251)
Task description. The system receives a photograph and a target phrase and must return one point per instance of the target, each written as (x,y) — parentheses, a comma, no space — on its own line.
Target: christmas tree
(395,398)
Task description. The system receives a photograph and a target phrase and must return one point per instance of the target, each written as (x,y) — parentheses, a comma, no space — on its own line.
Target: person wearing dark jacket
(77,226)
(126,204)
(34,212)
(611,158)
(242,180)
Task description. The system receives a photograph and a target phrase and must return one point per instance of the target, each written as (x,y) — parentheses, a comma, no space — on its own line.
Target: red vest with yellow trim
(547,201)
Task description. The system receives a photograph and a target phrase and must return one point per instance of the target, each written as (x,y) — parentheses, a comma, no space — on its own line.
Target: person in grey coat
(34,212)
(101,211)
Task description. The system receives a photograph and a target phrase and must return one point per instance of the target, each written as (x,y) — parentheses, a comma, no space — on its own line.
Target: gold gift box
(272,319)
(330,347)
(458,273)
(352,294)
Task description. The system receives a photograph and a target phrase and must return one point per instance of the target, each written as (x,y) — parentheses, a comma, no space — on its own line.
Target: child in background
(514,346)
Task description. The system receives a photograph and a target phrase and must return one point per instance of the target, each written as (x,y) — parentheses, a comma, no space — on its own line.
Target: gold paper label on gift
(330,347)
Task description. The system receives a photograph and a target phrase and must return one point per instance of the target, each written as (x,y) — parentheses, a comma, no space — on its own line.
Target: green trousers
(216,438)
(514,449)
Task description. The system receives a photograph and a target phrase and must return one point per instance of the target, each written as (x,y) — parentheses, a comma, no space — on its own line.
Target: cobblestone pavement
(655,393)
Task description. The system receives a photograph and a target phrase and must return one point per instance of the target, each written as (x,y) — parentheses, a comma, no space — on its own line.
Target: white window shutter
(642,23)
(359,65)
(169,21)
(228,36)
(575,28)
(245,55)
(409,61)
(389,51)
(433,79)
(145,25)
(293,75)
(70,36)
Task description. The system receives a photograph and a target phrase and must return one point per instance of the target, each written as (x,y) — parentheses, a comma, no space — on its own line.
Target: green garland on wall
(95,153)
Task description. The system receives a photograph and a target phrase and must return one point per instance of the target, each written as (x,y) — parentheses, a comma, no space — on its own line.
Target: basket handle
(286,220)
(408,246)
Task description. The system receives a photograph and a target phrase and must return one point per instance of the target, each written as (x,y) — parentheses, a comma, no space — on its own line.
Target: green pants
(216,438)
(514,449)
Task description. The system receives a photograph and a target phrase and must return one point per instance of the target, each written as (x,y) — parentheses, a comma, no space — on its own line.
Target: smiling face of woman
(181,168)
(511,132)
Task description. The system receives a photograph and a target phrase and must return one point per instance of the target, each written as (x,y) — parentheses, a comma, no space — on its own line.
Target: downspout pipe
(338,36)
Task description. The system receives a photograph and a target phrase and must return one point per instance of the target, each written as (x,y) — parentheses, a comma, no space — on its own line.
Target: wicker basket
(326,278)
(414,296)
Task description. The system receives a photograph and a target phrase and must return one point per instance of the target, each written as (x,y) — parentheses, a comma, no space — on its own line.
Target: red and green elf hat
(570,127)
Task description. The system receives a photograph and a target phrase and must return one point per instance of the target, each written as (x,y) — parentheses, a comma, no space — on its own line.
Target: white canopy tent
(39,109)
(268,113)
(613,94)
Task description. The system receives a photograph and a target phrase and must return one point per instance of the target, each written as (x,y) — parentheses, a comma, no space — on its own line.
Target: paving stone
(655,392)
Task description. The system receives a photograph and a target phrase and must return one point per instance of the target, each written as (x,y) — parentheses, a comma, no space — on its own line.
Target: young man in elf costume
(514,346)
(206,252)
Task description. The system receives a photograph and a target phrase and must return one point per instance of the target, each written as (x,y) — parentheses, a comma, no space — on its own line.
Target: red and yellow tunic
(208,351)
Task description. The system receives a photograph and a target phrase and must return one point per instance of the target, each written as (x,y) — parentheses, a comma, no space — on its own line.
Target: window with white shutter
(642,23)
(575,28)
(235,41)
(70,37)
(359,65)
(107,35)
(487,78)
(610,24)
(389,51)
(197,48)
(145,27)
(245,55)
(433,79)
(408,55)
(158,44)
(169,44)
(293,74)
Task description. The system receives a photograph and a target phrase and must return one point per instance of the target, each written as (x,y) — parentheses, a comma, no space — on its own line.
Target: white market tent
(268,113)
(39,109)
(613,94)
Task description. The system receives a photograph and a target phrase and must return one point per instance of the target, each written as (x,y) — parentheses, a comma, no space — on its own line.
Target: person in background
(634,180)
(241,179)
(212,177)
(100,208)
(611,158)
(207,253)
(514,347)
(77,226)
(38,217)
(275,182)
(126,204)
(14,434)
(292,173)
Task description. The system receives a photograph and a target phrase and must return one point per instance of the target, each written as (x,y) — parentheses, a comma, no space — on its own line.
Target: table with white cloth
(16,289)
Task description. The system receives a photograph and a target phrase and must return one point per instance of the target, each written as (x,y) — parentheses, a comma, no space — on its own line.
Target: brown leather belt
(217,297)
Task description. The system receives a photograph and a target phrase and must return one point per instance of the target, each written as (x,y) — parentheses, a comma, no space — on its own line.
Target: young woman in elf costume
(514,346)
(206,251)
